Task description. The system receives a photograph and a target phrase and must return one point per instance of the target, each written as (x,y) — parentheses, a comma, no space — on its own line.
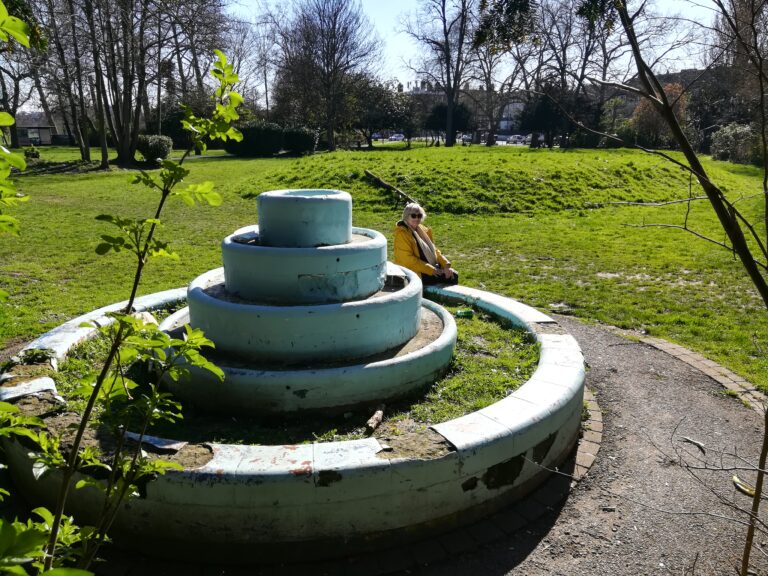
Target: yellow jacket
(407,251)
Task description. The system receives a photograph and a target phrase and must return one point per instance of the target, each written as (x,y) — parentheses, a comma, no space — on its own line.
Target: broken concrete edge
(502,452)
(61,339)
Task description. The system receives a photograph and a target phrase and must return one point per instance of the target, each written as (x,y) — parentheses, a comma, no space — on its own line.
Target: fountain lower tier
(333,387)
(308,333)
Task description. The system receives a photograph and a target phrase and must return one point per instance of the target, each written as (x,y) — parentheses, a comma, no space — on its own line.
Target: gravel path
(638,511)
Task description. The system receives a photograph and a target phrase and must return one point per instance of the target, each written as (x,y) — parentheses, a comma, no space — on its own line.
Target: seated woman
(415,250)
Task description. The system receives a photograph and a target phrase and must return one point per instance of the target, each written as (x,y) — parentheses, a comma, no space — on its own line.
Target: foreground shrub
(154,148)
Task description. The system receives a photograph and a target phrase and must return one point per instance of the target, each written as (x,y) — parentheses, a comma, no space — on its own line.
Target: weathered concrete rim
(62,338)
(238,489)
(375,240)
(304,275)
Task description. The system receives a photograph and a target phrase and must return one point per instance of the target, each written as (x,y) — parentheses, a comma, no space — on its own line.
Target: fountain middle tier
(300,334)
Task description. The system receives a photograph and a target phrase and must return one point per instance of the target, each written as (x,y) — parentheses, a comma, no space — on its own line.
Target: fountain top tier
(304,251)
(305,218)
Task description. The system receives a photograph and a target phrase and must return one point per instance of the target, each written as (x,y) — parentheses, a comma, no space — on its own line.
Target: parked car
(375,136)
(516,139)
(396,138)
(466,138)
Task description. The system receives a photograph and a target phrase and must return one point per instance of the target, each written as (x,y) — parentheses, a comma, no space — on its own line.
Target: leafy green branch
(131,339)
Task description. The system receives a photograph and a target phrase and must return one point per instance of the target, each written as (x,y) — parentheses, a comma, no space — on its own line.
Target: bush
(259,139)
(737,143)
(625,132)
(31,152)
(299,140)
(154,148)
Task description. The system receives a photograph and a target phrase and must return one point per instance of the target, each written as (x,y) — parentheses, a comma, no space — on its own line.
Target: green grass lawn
(512,220)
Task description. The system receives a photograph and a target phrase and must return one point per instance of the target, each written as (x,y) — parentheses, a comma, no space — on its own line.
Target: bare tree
(444,28)
(15,88)
(323,44)
(498,74)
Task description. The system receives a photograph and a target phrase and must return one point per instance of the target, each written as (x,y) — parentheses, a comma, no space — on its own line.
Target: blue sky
(385,15)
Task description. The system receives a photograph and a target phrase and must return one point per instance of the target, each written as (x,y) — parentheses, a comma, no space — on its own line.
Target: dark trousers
(437,280)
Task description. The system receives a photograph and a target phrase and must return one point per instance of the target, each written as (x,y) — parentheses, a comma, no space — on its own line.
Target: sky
(399,48)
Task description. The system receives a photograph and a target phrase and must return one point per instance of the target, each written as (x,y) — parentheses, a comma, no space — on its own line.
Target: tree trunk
(67,81)
(179,62)
(85,149)
(450,133)
(98,87)
(43,99)
(6,104)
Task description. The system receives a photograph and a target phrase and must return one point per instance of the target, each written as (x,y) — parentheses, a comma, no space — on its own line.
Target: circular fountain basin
(304,275)
(277,503)
(294,334)
(249,389)
(294,218)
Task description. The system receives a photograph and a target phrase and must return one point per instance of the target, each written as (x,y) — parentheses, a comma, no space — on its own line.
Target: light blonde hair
(412,208)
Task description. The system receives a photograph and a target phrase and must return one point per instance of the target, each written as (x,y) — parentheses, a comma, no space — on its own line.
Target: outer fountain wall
(262,500)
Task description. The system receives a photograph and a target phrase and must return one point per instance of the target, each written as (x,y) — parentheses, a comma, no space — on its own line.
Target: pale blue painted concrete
(305,333)
(295,218)
(249,495)
(255,390)
(314,275)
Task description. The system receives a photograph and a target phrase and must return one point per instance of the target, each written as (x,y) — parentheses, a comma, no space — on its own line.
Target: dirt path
(617,521)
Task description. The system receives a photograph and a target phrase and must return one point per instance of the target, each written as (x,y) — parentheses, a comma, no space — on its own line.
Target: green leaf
(18,29)
(3,295)
(9,408)
(44,514)
(67,572)
(6,119)
(15,160)
(89,482)
(9,225)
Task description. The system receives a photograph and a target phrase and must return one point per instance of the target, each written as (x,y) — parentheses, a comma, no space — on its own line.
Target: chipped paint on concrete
(304,275)
(327,332)
(61,339)
(260,494)
(44,384)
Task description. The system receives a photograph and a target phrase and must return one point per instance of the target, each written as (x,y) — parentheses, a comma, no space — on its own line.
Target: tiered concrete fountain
(305,315)
(308,315)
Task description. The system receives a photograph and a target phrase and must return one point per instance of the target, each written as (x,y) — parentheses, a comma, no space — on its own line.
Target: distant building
(32,128)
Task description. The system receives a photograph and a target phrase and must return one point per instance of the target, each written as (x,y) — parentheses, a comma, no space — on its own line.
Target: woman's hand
(446,273)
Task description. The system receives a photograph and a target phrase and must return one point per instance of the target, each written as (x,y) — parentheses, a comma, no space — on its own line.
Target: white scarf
(426,245)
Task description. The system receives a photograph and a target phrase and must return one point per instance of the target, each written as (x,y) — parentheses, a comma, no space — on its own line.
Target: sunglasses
(419,216)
